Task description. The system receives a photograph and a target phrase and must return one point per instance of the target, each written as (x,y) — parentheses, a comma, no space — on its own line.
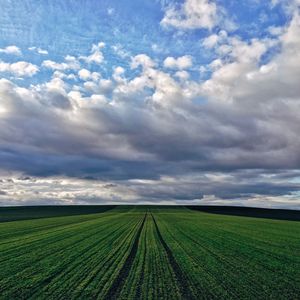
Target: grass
(150,253)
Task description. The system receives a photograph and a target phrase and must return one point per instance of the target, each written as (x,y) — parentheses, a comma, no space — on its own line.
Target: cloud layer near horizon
(151,132)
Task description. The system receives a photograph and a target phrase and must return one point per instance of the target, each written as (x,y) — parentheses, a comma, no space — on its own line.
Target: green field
(150,253)
(14,213)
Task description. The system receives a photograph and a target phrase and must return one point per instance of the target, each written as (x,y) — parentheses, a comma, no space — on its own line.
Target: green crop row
(150,253)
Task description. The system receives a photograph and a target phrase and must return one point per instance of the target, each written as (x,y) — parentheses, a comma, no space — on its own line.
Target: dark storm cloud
(231,187)
(37,164)
(121,143)
(37,140)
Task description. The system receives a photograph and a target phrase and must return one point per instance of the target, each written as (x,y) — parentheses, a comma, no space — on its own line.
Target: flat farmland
(149,252)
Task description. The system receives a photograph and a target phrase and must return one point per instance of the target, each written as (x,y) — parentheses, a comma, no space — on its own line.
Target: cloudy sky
(188,102)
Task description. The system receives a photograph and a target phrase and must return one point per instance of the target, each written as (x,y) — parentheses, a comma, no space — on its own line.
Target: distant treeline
(14,213)
(278,214)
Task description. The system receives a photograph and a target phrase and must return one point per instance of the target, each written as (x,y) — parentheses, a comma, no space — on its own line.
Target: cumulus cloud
(245,79)
(70,63)
(13,50)
(142,60)
(214,39)
(19,69)
(62,75)
(85,75)
(39,50)
(183,62)
(157,135)
(182,75)
(120,51)
(192,14)
(96,55)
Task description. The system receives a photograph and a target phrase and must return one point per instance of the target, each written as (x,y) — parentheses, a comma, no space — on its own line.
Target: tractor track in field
(119,281)
(138,293)
(184,288)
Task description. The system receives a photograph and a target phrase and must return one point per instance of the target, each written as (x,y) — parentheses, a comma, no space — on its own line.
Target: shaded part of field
(15,213)
(119,281)
(184,288)
(267,213)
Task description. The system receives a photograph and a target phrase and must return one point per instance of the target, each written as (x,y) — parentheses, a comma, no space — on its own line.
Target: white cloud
(275,30)
(183,62)
(237,72)
(210,41)
(152,84)
(110,11)
(20,68)
(70,63)
(142,60)
(252,51)
(118,74)
(42,51)
(85,75)
(119,70)
(182,75)
(120,51)
(167,92)
(96,55)
(105,86)
(192,14)
(38,50)
(102,86)
(13,50)
(62,190)
(214,39)
(62,75)
(50,64)
(157,48)
(243,117)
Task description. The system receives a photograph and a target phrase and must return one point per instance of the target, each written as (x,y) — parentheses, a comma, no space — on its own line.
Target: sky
(150,102)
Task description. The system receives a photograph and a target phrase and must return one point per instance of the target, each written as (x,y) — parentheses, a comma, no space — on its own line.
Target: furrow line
(141,279)
(119,281)
(184,287)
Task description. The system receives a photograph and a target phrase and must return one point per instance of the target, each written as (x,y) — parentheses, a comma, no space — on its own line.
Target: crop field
(149,252)
(14,213)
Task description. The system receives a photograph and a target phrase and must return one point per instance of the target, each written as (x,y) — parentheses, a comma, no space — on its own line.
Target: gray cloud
(149,139)
(235,188)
